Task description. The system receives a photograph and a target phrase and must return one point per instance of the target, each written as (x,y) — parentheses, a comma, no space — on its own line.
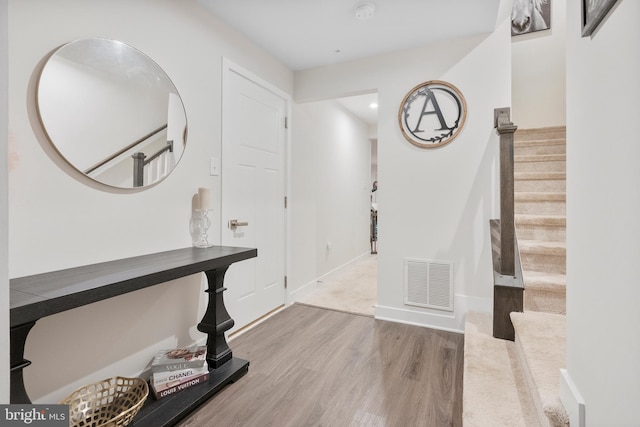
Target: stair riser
(543,166)
(531,135)
(546,287)
(540,232)
(540,208)
(549,302)
(556,264)
(528,150)
(541,185)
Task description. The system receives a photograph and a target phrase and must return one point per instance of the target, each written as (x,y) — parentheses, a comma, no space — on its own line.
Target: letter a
(429,96)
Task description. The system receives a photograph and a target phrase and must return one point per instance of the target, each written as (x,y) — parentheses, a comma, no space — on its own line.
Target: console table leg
(18,338)
(216,320)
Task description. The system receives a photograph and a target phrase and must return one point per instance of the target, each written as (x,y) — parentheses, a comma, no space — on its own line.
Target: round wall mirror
(111,112)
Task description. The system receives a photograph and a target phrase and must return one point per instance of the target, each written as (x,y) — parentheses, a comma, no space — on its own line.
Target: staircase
(540,200)
(519,381)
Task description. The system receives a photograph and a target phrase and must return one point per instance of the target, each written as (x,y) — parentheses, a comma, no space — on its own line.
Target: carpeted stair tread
(542,247)
(543,281)
(541,231)
(494,389)
(553,132)
(540,158)
(548,232)
(539,203)
(541,345)
(539,146)
(535,196)
(545,220)
(537,142)
(539,176)
(536,181)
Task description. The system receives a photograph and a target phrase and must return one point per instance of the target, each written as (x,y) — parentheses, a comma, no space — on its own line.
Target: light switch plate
(214,166)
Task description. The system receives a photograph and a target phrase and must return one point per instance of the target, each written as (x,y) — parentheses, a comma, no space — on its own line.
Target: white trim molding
(572,400)
(306,289)
(4,203)
(435,319)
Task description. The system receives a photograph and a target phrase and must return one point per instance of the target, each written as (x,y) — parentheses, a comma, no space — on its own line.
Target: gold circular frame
(462,105)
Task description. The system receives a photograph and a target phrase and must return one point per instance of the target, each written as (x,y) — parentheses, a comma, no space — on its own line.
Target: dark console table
(41,295)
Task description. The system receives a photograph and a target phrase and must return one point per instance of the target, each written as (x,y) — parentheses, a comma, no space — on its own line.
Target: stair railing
(508,287)
(140,160)
(125,149)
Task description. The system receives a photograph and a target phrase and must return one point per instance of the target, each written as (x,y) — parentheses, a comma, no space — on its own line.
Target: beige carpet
(541,345)
(352,290)
(540,206)
(495,389)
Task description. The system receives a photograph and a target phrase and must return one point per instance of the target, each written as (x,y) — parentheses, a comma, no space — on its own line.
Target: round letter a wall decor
(432,114)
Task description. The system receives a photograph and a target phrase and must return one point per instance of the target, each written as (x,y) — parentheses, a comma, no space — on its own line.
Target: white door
(253,193)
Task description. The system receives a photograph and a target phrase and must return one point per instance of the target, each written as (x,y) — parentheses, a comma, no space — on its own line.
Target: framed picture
(432,114)
(593,12)
(528,16)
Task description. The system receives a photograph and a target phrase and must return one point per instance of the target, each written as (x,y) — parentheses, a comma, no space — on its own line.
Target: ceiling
(360,105)
(305,34)
(311,33)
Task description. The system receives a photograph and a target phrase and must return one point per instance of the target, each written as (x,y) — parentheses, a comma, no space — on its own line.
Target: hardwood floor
(317,367)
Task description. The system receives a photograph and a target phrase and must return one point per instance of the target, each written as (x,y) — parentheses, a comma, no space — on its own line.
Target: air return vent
(428,284)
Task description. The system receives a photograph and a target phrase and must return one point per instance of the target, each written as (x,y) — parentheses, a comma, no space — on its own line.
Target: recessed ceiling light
(373,105)
(365,10)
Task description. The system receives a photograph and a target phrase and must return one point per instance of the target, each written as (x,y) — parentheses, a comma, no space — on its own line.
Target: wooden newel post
(506,129)
(508,289)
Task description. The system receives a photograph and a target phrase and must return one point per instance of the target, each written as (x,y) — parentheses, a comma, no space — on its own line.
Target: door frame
(228,67)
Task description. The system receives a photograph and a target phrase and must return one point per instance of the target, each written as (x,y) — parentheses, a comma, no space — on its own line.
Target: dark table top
(41,295)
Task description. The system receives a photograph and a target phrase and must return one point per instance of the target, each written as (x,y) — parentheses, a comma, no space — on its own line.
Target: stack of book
(175,370)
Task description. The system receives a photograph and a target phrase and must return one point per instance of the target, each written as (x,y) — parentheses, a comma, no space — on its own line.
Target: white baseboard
(302,291)
(241,331)
(572,400)
(328,276)
(307,288)
(435,319)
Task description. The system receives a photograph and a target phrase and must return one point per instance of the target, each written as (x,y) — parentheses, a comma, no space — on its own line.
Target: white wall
(538,72)
(330,189)
(59,219)
(603,207)
(4,220)
(434,204)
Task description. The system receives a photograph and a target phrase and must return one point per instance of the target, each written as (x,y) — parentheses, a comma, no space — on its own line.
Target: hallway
(352,290)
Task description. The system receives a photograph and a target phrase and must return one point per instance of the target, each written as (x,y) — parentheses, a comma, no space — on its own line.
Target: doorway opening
(347,276)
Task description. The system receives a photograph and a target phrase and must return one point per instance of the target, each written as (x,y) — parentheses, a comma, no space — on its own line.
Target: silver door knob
(234,223)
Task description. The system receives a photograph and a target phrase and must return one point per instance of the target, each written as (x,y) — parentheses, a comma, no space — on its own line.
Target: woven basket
(108,403)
